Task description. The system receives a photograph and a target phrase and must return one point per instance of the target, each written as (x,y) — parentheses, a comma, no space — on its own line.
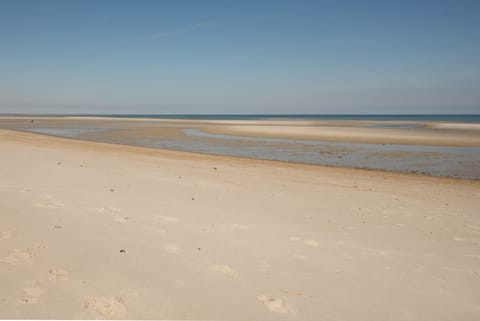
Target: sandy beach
(94,230)
(355,131)
(240,161)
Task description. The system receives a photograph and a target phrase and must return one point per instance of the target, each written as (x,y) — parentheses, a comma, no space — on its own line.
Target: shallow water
(459,162)
(65,132)
(433,160)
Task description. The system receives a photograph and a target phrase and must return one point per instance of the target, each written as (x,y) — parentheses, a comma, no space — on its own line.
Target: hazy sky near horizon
(240,56)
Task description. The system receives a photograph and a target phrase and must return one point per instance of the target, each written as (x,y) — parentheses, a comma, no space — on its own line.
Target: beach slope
(93,230)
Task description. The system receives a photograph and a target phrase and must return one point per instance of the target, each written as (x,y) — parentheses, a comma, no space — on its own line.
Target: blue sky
(240,56)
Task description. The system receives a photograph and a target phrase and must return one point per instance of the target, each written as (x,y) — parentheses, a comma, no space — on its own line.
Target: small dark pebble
(59,163)
(122,251)
(199,249)
(179,177)
(193,198)
(215,168)
(112,190)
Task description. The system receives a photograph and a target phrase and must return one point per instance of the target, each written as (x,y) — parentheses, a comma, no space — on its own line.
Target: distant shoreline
(474,118)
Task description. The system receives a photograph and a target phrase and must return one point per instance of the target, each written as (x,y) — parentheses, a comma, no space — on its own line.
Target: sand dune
(92,230)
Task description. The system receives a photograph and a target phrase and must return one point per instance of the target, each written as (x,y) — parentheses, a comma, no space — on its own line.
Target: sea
(463,118)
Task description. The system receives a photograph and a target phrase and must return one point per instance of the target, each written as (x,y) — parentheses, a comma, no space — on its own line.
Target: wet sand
(93,230)
(355,131)
(431,148)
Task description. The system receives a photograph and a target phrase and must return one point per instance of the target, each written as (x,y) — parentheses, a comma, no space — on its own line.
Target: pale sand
(92,230)
(354,131)
(429,134)
(458,126)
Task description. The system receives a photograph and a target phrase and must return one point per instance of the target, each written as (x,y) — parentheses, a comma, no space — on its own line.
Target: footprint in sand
(106,307)
(31,295)
(28,301)
(224,269)
(273,304)
(57,274)
(19,256)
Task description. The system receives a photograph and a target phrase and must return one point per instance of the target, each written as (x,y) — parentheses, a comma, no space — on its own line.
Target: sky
(240,57)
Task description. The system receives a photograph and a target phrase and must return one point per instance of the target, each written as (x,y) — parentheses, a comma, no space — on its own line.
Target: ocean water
(469,118)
